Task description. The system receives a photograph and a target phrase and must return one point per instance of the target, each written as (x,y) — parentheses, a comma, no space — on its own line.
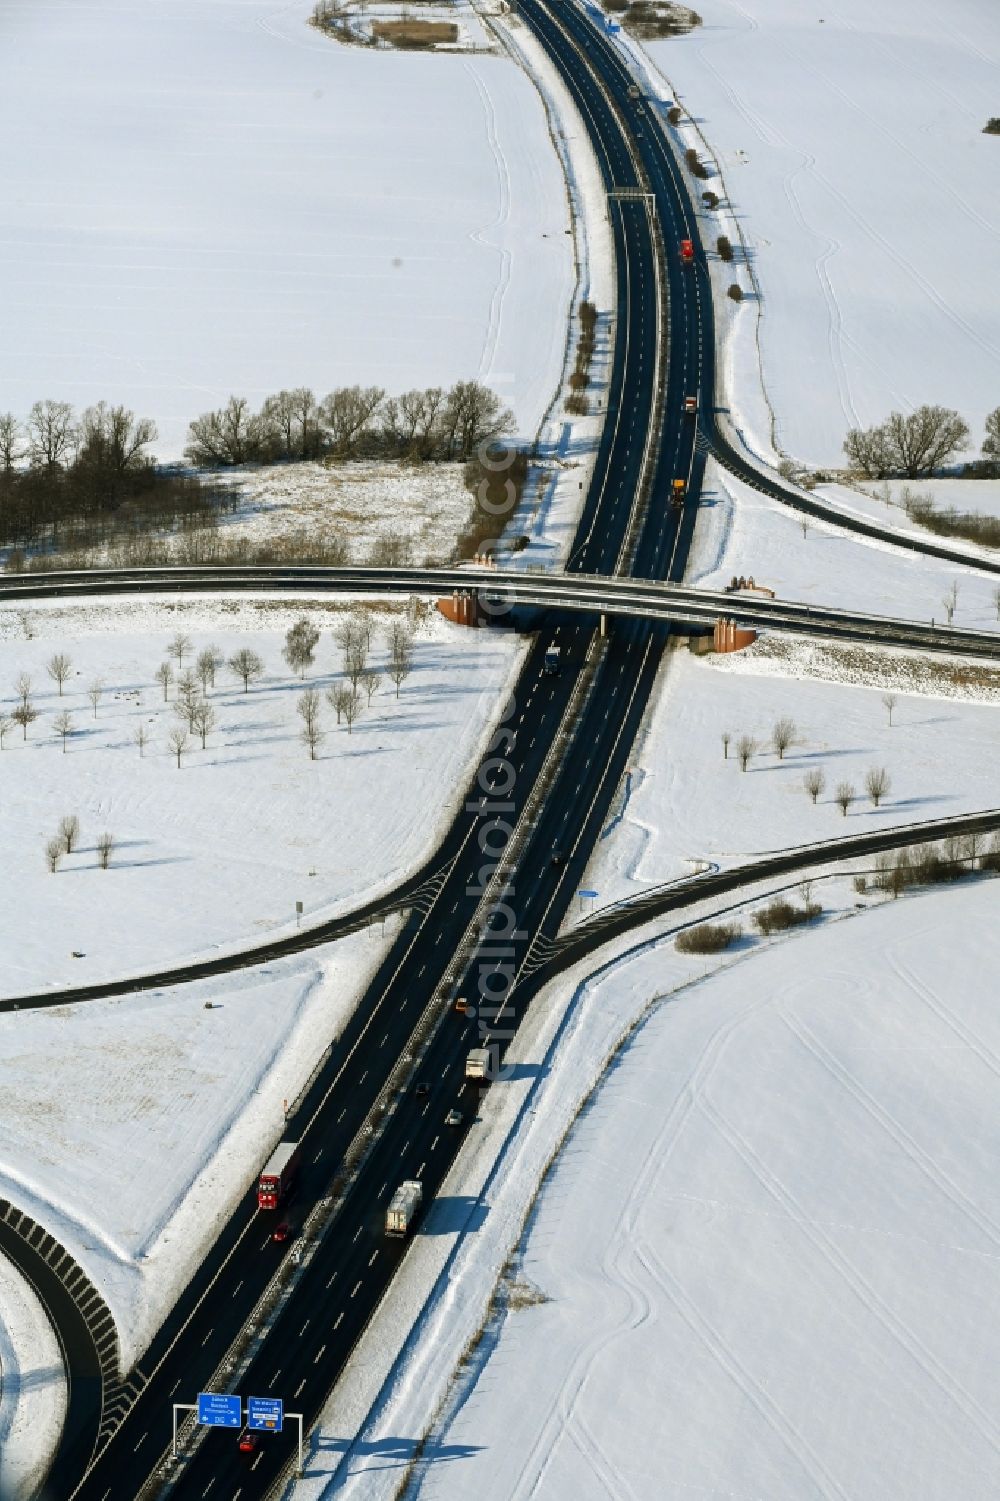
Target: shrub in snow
(708,938)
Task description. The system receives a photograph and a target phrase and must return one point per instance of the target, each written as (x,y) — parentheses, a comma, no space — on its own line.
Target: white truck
(477,1064)
(403,1206)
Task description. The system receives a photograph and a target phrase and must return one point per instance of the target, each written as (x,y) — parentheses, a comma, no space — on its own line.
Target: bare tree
(746,745)
(337,697)
(355,661)
(63,725)
(300,645)
(923,440)
(69,832)
(996,592)
(869,452)
(782,735)
(347,414)
(59,668)
(11,441)
(400,653)
(188,698)
(877,784)
(205,668)
(231,435)
(844,796)
(25,714)
(22,687)
(177,740)
(246,664)
(203,720)
(53,854)
(991,443)
(51,434)
(950,601)
(727,736)
(94,693)
(5,725)
(370,683)
(352,708)
(178,647)
(105,847)
(140,737)
(164,676)
(815,782)
(308,709)
(888,704)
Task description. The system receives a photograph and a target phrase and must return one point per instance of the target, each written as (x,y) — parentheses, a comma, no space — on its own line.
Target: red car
(282,1232)
(248,1442)
(687,250)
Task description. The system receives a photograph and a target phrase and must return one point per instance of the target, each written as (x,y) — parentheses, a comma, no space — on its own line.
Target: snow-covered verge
(32,1388)
(742,532)
(885,504)
(768,1248)
(357,216)
(849,137)
(132,1126)
(250,824)
(685,803)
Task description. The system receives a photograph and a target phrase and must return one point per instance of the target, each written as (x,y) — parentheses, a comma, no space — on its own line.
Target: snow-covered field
(215,854)
(769,1246)
(849,135)
(32,1387)
(272,209)
(684,803)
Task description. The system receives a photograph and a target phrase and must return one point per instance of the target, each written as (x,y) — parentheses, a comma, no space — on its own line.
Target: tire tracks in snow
(562,1418)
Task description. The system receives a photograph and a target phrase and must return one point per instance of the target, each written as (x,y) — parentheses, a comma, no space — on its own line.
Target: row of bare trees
(351,422)
(915,444)
(784,734)
(64,474)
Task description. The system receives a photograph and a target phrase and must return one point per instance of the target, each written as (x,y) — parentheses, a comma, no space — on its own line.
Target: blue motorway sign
(218,1411)
(267,1413)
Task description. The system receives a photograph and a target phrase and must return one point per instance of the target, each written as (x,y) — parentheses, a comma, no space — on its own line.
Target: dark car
(422,1088)
(282,1232)
(557,859)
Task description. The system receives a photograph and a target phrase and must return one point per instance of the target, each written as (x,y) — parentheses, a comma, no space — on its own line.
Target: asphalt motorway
(302,1356)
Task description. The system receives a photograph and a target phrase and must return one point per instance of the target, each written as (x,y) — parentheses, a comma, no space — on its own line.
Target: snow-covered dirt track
(771,1243)
(850,137)
(208,196)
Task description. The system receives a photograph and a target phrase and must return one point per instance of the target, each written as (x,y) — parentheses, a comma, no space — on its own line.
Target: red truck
(278,1175)
(687,251)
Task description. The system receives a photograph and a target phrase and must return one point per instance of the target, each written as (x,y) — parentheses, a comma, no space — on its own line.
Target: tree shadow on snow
(397,1453)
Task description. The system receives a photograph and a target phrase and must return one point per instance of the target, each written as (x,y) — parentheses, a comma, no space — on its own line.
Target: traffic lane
(330,1308)
(546,697)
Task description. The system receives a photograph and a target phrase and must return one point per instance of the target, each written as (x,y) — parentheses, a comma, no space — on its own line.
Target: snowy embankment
(32,1387)
(850,139)
(250,823)
(387,218)
(768,1248)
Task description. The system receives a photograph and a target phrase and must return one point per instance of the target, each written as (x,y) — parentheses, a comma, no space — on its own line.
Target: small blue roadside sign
(266,1413)
(218,1411)
(588,895)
